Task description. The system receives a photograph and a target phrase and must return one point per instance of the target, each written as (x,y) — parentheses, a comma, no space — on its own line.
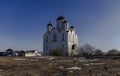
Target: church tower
(49,27)
(65,25)
(59,22)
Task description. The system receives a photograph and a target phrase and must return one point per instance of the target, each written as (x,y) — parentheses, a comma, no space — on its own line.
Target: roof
(71,26)
(49,24)
(61,18)
(30,51)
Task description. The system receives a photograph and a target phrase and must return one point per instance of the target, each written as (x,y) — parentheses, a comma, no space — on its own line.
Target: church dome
(61,18)
(49,24)
(49,27)
(72,27)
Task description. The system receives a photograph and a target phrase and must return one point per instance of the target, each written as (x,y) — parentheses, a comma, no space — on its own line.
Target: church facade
(60,39)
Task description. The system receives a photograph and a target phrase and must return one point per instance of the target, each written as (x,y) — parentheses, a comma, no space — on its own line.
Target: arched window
(63,36)
(46,39)
(54,37)
(46,47)
(73,47)
(63,46)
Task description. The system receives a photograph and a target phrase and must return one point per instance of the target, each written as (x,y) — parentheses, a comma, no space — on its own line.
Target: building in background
(10,52)
(60,39)
(20,53)
(32,53)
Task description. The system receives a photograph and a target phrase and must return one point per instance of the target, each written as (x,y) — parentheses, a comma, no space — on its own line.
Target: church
(61,39)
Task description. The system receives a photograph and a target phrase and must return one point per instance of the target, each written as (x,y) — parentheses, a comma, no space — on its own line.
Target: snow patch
(19,59)
(1,70)
(74,68)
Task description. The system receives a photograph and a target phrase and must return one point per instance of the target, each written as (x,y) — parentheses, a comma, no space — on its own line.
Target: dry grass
(58,67)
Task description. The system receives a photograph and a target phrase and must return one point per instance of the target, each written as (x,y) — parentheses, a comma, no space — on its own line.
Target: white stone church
(61,38)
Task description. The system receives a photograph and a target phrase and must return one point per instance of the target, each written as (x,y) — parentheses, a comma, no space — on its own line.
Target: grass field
(58,66)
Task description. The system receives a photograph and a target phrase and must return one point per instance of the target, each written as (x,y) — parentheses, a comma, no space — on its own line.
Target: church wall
(56,44)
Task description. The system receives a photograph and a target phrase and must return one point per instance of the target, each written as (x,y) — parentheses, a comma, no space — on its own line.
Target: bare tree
(113,52)
(86,50)
(98,52)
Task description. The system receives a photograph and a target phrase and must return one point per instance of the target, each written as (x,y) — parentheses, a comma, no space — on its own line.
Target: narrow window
(54,37)
(63,46)
(46,47)
(46,39)
(63,36)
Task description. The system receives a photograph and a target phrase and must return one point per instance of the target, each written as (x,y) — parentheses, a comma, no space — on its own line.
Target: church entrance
(74,49)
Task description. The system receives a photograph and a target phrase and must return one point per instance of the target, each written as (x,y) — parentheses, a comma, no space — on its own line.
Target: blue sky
(23,22)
